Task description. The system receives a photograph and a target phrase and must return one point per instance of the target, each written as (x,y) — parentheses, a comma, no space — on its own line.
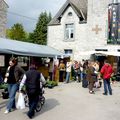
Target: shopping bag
(21,101)
(97,84)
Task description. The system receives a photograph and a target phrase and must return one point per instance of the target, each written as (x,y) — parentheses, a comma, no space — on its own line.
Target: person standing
(90,76)
(106,72)
(76,67)
(81,69)
(13,75)
(31,79)
(68,71)
(51,67)
(61,71)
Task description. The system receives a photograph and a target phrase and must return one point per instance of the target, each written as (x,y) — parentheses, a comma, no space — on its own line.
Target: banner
(114,23)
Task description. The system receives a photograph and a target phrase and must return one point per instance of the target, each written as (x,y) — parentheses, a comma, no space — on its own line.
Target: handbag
(5,95)
(21,101)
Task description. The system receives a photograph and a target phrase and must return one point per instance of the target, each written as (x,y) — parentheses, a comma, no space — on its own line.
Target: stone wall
(86,39)
(3,18)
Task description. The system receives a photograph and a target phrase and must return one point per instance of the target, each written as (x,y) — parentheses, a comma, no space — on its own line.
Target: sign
(2,60)
(114,23)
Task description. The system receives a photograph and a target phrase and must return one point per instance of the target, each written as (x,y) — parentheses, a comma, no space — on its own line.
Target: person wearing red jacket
(106,72)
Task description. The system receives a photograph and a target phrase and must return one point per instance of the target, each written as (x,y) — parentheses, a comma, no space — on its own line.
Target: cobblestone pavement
(72,102)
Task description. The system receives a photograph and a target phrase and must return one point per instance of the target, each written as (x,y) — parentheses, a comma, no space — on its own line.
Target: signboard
(2,60)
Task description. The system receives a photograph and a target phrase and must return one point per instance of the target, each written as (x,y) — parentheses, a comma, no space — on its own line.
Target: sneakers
(107,94)
(110,93)
(13,109)
(104,93)
(30,116)
(7,111)
(91,92)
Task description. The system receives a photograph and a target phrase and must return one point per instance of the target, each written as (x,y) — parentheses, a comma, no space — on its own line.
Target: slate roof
(79,6)
(4,3)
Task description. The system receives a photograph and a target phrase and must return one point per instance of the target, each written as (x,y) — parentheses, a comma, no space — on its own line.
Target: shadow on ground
(3,104)
(49,104)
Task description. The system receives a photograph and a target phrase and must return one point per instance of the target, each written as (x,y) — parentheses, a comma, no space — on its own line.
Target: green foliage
(51,84)
(3,86)
(17,32)
(39,35)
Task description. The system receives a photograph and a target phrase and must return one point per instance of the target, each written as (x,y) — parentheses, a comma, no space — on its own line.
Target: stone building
(3,18)
(80,26)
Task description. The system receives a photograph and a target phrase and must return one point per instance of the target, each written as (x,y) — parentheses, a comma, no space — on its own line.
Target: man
(106,72)
(32,81)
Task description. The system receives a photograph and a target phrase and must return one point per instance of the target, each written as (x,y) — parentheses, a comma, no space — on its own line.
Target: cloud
(32,9)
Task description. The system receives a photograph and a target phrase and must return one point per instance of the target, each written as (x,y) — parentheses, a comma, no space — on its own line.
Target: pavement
(72,102)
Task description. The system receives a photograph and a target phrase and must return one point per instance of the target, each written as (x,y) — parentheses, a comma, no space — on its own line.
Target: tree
(39,35)
(17,32)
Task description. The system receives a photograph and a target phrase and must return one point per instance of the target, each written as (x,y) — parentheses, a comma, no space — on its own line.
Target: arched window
(70,14)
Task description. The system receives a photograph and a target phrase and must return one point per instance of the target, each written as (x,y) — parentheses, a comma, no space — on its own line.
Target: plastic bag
(20,102)
(97,84)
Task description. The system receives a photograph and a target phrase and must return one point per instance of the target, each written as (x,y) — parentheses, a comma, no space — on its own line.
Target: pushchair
(40,102)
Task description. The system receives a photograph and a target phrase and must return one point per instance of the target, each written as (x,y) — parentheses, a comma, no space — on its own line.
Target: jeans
(12,89)
(67,77)
(84,75)
(81,76)
(107,86)
(76,75)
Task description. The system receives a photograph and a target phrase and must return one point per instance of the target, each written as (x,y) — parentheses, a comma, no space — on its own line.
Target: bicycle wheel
(26,101)
(38,107)
(42,100)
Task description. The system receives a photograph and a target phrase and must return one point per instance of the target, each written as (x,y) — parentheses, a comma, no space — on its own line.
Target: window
(68,51)
(69,31)
(23,61)
(70,14)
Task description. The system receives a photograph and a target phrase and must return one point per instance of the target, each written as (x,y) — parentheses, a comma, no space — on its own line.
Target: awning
(108,53)
(27,49)
(99,53)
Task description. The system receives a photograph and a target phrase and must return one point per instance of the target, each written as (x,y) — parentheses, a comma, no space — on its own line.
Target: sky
(31,9)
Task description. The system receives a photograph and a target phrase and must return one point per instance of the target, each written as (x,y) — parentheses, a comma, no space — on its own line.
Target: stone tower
(3,17)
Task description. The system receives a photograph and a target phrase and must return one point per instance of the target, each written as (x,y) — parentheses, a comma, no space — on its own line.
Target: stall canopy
(27,49)
(104,53)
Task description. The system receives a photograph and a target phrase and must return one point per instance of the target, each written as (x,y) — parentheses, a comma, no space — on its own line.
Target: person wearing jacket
(91,76)
(31,79)
(13,75)
(106,72)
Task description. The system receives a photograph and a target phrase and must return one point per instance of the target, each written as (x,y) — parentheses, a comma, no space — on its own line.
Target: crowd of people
(88,72)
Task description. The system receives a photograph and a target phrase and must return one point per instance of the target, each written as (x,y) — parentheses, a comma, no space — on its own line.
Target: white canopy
(100,52)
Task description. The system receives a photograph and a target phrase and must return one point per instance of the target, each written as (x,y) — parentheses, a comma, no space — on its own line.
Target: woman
(61,71)
(91,76)
(12,77)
